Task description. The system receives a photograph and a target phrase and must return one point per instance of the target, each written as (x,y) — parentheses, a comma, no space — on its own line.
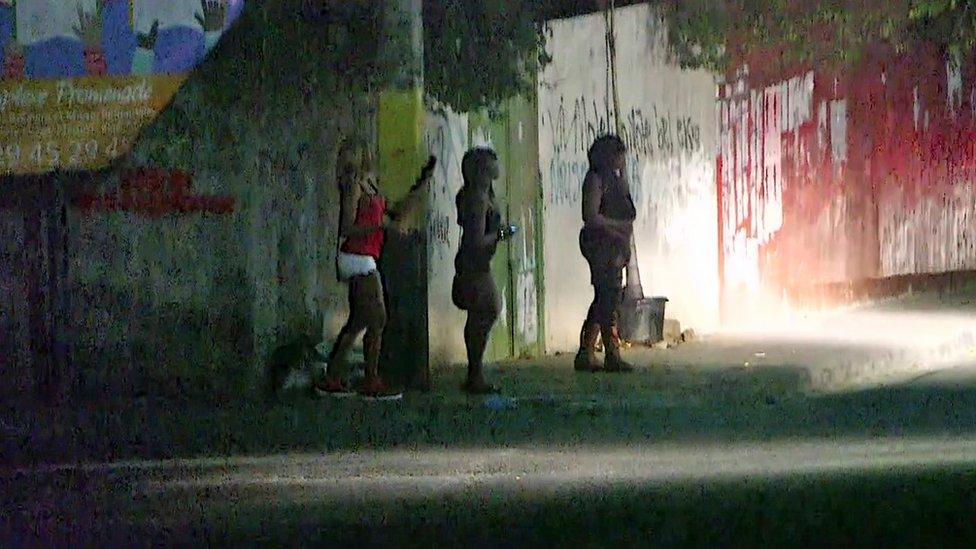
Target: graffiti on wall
(649,135)
(447,139)
(154,193)
(844,178)
(446,136)
(526,296)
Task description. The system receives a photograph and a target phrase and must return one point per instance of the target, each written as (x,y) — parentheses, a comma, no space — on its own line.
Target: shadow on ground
(883,508)
(553,406)
(886,504)
(703,391)
(703,409)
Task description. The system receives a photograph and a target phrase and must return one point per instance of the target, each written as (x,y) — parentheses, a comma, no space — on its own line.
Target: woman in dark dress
(608,223)
(473,289)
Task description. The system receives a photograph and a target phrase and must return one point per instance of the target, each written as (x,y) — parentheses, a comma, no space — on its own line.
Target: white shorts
(352,265)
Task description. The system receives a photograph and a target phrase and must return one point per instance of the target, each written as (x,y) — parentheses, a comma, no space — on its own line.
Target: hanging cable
(612,53)
(634,290)
(608,62)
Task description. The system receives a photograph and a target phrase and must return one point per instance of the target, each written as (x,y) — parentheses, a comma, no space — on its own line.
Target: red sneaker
(377,389)
(335,388)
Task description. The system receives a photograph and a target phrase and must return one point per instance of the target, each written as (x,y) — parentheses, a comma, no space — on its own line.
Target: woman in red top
(363,217)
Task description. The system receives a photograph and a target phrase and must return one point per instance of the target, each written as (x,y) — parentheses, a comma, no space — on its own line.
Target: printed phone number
(54,153)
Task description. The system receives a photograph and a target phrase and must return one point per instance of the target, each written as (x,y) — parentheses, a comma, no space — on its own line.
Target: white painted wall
(905,245)
(447,138)
(669,116)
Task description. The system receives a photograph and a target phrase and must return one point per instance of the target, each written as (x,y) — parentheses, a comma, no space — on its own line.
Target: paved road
(891,490)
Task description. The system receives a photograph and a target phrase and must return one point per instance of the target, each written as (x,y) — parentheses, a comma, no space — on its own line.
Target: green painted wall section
(516,267)
(402,152)
(525,210)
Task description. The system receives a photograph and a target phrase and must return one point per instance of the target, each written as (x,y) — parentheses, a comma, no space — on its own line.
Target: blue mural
(42,39)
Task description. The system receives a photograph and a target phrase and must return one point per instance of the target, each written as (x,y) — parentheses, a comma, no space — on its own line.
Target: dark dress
(473,288)
(608,253)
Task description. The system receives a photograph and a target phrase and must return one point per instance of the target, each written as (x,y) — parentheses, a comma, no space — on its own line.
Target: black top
(604,247)
(472,257)
(616,202)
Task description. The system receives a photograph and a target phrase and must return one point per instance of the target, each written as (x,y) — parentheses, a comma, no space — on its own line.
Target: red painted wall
(841,178)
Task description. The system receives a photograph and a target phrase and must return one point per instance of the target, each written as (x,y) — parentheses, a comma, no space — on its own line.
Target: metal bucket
(642,321)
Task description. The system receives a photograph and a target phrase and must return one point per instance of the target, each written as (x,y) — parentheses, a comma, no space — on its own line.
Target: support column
(402,153)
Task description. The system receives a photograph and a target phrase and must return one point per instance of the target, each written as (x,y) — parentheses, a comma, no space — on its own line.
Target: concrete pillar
(402,151)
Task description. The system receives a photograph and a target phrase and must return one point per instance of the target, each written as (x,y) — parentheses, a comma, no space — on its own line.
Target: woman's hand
(592,197)
(395,224)
(507,232)
(623,233)
(403,212)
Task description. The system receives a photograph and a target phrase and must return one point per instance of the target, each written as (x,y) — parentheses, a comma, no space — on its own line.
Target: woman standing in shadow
(473,289)
(608,223)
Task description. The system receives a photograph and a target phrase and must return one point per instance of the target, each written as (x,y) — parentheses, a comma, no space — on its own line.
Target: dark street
(487,273)
(893,466)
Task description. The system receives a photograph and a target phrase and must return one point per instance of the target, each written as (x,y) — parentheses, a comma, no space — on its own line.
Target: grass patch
(553,407)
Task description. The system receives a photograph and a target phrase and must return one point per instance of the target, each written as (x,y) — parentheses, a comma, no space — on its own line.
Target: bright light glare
(847,349)
(407,473)
(425,473)
(916,330)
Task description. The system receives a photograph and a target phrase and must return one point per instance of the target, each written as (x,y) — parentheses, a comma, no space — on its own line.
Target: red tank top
(369,214)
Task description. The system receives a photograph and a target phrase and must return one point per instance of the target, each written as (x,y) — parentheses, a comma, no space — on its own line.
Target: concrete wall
(842,179)
(447,138)
(200,299)
(14,327)
(31,255)
(272,145)
(668,115)
(515,267)
(763,145)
